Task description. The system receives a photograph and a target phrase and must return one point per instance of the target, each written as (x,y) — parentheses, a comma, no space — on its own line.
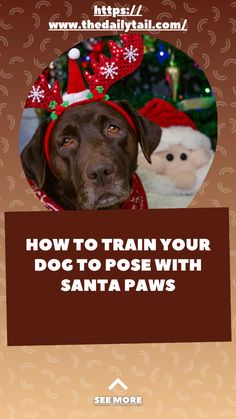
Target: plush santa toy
(181,160)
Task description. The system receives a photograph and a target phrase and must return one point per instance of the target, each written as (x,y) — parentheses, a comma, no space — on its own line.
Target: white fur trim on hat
(75,97)
(186,136)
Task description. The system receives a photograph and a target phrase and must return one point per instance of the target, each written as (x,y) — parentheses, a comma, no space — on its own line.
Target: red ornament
(98,47)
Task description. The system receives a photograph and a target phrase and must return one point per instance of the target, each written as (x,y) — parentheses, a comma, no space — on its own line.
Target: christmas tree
(166,72)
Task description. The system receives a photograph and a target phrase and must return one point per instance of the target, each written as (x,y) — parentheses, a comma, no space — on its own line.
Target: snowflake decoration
(110,71)
(36,94)
(131,54)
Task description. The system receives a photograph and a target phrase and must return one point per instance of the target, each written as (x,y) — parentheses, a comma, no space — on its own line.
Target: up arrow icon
(116,382)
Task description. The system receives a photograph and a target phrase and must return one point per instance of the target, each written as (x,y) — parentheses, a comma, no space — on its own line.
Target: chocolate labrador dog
(93,152)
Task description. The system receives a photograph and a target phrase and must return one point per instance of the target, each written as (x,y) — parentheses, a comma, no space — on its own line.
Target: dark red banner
(118,276)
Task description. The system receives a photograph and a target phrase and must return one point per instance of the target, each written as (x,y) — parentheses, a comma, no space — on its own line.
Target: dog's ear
(33,158)
(149,133)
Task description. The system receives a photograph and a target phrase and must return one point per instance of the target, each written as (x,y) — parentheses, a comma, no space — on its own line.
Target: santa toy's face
(178,158)
(181,164)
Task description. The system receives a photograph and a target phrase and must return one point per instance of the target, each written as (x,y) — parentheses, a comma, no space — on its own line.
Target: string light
(162,54)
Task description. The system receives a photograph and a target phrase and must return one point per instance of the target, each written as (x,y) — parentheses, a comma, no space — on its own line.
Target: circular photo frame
(125,122)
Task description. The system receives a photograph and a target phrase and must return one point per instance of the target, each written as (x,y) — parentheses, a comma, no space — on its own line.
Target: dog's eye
(169,157)
(66,142)
(112,129)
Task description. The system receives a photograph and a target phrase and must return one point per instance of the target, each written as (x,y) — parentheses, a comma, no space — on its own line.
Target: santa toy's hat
(177,127)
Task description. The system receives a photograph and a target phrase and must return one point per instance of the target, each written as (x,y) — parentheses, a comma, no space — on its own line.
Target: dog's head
(93,154)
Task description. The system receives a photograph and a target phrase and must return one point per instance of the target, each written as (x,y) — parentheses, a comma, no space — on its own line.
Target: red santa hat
(177,127)
(76,89)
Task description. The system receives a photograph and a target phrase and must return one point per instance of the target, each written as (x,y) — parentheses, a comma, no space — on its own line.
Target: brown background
(176,380)
(38,312)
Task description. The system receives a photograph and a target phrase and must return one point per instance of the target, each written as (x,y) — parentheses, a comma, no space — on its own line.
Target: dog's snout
(100,173)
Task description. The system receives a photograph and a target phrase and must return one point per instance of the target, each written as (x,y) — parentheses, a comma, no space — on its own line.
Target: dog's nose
(100,173)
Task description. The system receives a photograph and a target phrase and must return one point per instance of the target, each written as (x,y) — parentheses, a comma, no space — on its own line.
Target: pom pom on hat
(74,54)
